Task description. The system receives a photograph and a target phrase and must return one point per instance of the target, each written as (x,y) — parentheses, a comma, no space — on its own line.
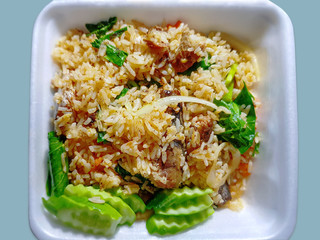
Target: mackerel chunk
(224,191)
(171,169)
(175,154)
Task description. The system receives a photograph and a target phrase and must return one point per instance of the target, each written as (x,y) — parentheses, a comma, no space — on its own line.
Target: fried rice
(170,145)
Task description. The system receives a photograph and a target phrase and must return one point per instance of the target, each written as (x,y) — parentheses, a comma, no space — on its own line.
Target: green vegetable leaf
(233,120)
(115,55)
(100,138)
(205,65)
(122,93)
(116,33)
(58,174)
(97,43)
(238,132)
(230,83)
(102,27)
(49,181)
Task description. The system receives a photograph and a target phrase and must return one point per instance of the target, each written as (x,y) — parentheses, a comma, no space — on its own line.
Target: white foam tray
(271,196)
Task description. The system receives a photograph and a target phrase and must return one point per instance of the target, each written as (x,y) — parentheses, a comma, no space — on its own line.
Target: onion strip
(212,180)
(178,99)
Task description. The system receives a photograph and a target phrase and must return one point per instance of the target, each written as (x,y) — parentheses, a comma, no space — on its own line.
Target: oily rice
(87,86)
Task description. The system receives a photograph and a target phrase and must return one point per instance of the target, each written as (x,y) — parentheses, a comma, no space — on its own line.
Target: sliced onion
(212,180)
(177,99)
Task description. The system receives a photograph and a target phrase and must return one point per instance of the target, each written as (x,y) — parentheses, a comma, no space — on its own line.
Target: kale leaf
(256,149)
(115,55)
(152,82)
(122,93)
(122,172)
(97,43)
(132,84)
(100,138)
(205,65)
(127,176)
(230,83)
(238,132)
(102,27)
(58,174)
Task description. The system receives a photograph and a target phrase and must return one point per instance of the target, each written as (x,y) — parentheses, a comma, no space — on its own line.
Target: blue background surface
(17,19)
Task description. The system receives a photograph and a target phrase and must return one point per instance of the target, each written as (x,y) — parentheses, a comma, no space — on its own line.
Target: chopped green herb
(132,84)
(122,172)
(152,82)
(205,65)
(97,43)
(256,149)
(229,83)
(116,33)
(193,68)
(115,55)
(100,138)
(122,93)
(159,85)
(238,132)
(125,175)
(102,27)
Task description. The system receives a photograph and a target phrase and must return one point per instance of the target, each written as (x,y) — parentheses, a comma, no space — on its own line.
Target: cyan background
(17,19)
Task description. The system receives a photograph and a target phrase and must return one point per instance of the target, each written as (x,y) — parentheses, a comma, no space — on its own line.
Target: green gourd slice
(79,213)
(161,224)
(188,207)
(133,200)
(166,198)
(128,215)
